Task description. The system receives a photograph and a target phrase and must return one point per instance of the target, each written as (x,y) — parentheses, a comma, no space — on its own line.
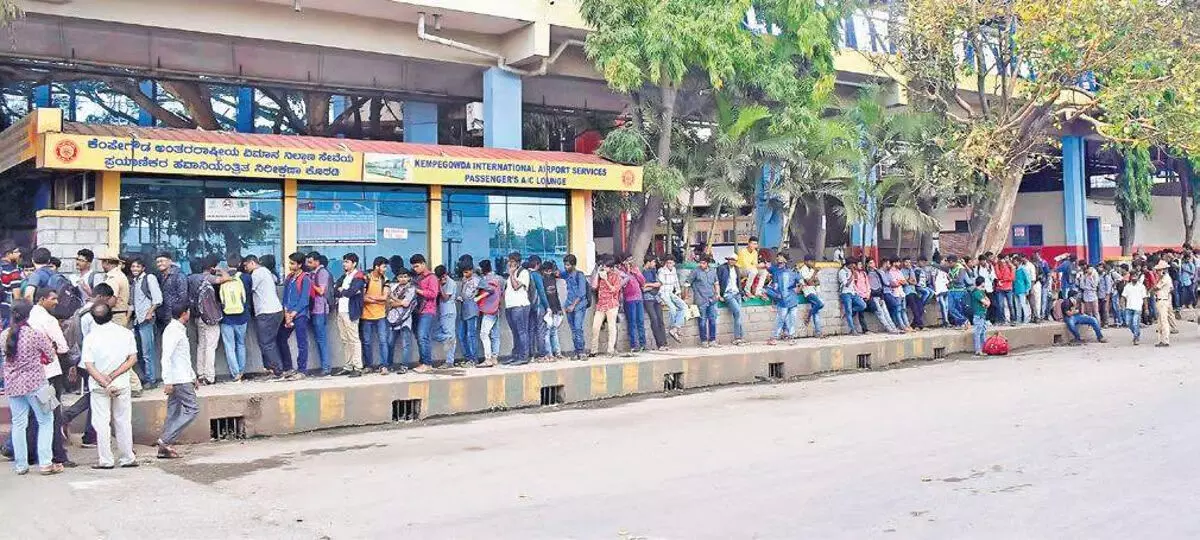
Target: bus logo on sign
(66,151)
(627,178)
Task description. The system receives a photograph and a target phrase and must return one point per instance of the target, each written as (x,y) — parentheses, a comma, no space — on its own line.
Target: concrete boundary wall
(278,408)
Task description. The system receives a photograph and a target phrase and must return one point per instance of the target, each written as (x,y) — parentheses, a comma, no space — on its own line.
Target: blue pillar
(41,197)
(41,96)
(767,215)
(1074,201)
(501,109)
(245,110)
(421,122)
(150,89)
(863,235)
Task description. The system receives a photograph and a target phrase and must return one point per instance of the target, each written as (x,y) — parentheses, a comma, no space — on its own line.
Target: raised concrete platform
(277,408)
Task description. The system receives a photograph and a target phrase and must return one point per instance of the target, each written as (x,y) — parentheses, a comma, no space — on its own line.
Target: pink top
(862,284)
(427,287)
(23,373)
(896,276)
(633,287)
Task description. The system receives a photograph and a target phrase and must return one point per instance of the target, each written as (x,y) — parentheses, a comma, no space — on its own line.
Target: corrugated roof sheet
(324,143)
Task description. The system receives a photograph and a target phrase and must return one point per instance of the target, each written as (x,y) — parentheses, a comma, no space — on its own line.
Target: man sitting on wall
(1073,317)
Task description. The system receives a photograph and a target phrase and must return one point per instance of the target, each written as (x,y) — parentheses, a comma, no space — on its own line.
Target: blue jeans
(676,310)
(785,321)
(943,301)
(635,322)
(1002,300)
(518,324)
(980,332)
(851,304)
(20,406)
(425,323)
(375,339)
(537,331)
(1115,307)
(1074,321)
(815,305)
(407,341)
(300,327)
(445,333)
(734,302)
(233,336)
(320,332)
(576,319)
(148,354)
(708,322)
(895,309)
(957,307)
(493,334)
(470,338)
(551,336)
(1133,318)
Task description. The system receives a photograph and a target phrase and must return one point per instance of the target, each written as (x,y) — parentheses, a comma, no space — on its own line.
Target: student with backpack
(428,290)
(402,305)
(373,324)
(322,300)
(235,318)
(174,289)
(206,310)
(297,299)
(146,298)
(488,296)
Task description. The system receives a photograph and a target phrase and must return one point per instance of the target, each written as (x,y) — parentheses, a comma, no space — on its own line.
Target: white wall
(1045,209)
(1164,227)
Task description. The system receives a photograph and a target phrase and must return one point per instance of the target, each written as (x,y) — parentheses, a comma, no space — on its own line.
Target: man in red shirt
(1005,274)
(427,291)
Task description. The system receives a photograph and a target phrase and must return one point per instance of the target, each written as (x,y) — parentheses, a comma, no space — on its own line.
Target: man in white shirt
(179,382)
(516,308)
(41,319)
(1134,294)
(109,353)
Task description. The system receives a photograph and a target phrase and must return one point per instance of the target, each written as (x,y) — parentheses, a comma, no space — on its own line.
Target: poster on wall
(226,210)
(336,223)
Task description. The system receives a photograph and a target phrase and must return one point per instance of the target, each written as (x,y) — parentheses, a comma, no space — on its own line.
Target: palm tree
(903,169)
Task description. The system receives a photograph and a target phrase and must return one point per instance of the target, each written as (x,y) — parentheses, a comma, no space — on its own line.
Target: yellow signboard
(475,172)
(126,154)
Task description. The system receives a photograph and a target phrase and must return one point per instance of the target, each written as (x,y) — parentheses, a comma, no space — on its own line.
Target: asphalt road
(1073,442)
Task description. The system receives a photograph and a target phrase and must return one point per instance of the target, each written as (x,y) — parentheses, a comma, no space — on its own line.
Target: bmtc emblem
(627,178)
(66,151)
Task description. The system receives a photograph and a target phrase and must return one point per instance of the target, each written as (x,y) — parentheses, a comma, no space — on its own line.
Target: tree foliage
(1005,73)
(670,57)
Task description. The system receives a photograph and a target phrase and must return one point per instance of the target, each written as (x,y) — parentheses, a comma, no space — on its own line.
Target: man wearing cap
(727,284)
(112,264)
(1162,300)
(115,278)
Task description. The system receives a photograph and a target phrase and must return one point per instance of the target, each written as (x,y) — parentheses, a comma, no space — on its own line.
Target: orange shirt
(374,312)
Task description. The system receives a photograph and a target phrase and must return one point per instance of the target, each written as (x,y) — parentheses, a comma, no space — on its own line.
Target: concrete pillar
(245,110)
(501,109)
(768,219)
(421,122)
(149,88)
(1074,200)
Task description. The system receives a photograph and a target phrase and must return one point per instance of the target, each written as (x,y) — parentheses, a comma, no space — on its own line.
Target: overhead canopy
(133,149)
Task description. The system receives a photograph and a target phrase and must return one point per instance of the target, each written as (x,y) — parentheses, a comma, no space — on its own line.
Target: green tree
(1133,196)
(652,50)
(1028,70)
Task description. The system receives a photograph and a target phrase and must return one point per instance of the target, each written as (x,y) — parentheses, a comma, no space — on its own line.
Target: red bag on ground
(995,346)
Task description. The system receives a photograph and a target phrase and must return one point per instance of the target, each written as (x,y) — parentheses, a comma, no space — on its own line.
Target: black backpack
(70,298)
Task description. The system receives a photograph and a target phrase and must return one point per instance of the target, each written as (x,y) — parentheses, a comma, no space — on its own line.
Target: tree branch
(285,108)
(133,92)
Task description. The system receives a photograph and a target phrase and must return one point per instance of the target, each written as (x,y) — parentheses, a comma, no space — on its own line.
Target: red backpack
(996,346)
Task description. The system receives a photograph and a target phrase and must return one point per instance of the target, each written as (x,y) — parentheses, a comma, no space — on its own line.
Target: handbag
(45,398)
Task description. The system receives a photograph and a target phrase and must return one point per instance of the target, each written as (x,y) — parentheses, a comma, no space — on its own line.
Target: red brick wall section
(954,244)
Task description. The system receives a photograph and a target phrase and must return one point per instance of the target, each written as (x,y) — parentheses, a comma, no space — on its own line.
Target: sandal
(53,469)
(166,452)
